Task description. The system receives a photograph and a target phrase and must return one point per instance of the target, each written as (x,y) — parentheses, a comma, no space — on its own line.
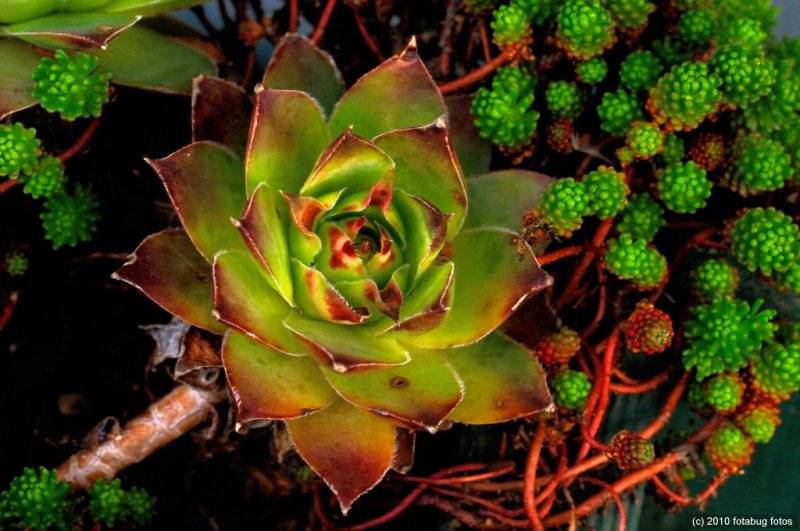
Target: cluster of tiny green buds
(629,15)
(640,70)
(15,263)
(789,280)
(110,503)
(570,389)
(68,85)
(648,329)
(685,96)
(625,156)
(674,149)
(645,139)
(642,218)
(563,205)
(696,27)
(745,31)
(635,260)
(760,423)
(607,191)
(729,449)
(538,11)
(670,51)
(630,451)
(778,109)
(19,150)
(559,135)
(776,371)
(714,278)
(564,99)
(47,180)
(759,165)
(696,399)
(724,334)
(504,114)
(724,392)
(617,111)
(708,150)
(745,73)
(585,28)
(765,239)
(36,500)
(592,71)
(70,218)
(684,187)
(559,347)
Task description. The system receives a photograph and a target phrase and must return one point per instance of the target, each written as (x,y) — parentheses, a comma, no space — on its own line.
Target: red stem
(564,252)
(604,385)
(599,237)
(476,75)
(81,142)
(8,184)
(620,507)
(323,21)
(365,34)
(461,479)
(644,386)
(294,15)
(671,494)
(530,478)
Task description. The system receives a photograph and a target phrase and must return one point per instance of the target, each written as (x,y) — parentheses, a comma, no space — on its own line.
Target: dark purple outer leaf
(220,113)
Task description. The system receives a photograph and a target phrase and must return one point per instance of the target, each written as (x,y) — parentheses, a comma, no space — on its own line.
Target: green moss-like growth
(765,239)
(685,96)
(510,25)
(570,389)
(19,150)
(778,108)
(697,400)
(592,71)
(645,139)
(564,99)
(776,370)
(640,70)
(642,218)
(670,51)
(634,260)
(70,218)
(759,165)
(47,180)
(617,111)
(724,392)
(674,149)
(68,85)
(714,278)
(745,31)
(789,280)
(36,500)
(15,263)
(725,334)
(585,28)
(563,205)
(504,114)
(729,449)
(607,191)
(538,11)
(760,423)
(629,14)
(746,74)
(684,187)
(109,504)
(696,28)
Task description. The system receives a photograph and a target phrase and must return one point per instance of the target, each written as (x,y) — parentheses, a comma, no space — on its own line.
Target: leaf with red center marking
(500,198)
(167,268)
(318,298)
(267,385)
(204,182)
(502,381)
(427,305)
(297,64)
(221,113)
(245,301)
(425,165)
(349,162)
(426,230)
(287,134)
(263,227)
(491,281)
(474,152)
(388,257)
(421,393)
(305,212)
(365,292)
(350,448)
(401,91)
(338,259)
(353,225)
(346,347)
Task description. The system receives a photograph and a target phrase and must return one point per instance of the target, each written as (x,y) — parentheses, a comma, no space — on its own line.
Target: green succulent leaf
(167,268)
(502,381)
(401,88)
(16,76)
(287,134)
(317,296)
(220,113)
(350,448)
(426,230)
(297,64)
(346,347)
(244,300)
(267,384)
(474,152)
(421,393)
(366,293)
(427,305)
(426,166)
(148,7)
(204,183)
(476,311)
(72,30)
(500,198)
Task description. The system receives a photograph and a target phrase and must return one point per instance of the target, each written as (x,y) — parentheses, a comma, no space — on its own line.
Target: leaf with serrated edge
(348,447)
(245,301)
(287,134)
(268,385)
(421,393)
(221,113)
(400,88)
(167,268)
(297,64)
(491,281)
(502,381)
(346,347)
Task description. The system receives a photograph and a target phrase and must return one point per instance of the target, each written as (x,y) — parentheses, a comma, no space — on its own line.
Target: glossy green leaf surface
(491,281)
(12,11)
(474,152)
(221,113)
(266,384)
(426,230)
(287,134)
(204,182)
(167,268)
(72,30)
(502,381)
(18,63)
(500,198)
(427,305)
(244,300)
(351,449)
(317,297)
(297,64)
(399,93)
(148,7)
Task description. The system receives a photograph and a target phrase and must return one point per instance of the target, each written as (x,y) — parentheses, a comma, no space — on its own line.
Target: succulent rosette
(356,282)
